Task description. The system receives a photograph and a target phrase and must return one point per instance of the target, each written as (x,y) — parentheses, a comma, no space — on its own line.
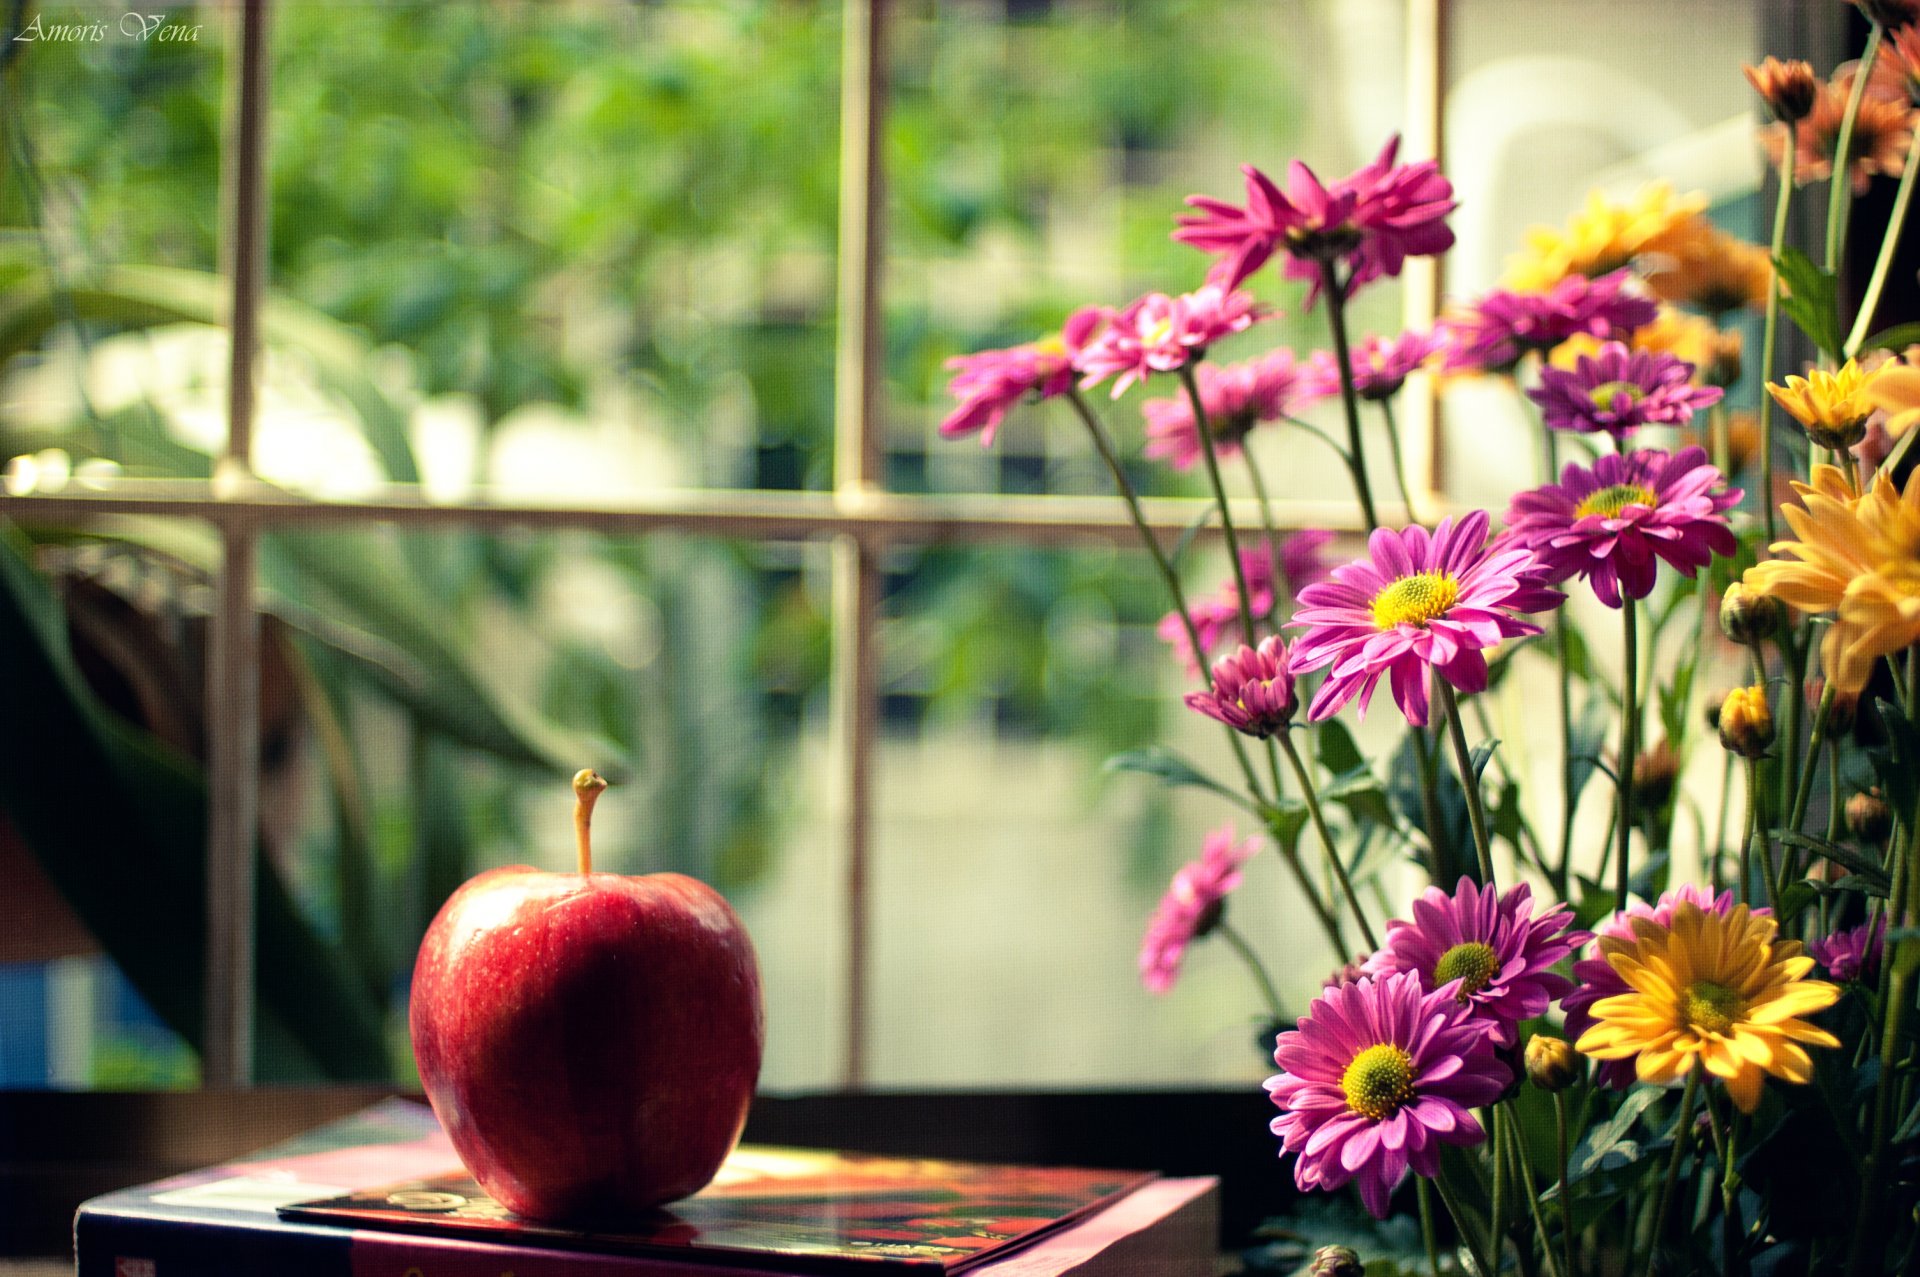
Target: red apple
(589,1041)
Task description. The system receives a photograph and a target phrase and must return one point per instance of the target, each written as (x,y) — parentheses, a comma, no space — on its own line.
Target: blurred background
(585,253)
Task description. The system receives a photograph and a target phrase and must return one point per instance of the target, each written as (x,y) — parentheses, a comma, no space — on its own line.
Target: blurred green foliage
(635,203)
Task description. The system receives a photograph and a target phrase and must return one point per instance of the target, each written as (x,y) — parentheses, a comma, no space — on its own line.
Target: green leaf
(1795,900)
(1898,337)
(1606,1146)
(119,822)
(1338,754)
(1811,300)
(1898,762)
(1588,738)
(1172,769)
(1482,755)
(1284,821)
(1864,866)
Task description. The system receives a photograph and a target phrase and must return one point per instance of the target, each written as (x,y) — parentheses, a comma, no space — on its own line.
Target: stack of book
(382,1194)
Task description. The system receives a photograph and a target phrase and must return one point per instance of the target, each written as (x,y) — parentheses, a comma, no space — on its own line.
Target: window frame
(857,516)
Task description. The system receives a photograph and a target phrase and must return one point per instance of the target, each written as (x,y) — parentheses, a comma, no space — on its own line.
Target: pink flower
(1848,955)
(1496,332)
(1236,398)
(1613,523)
(1192,906)
(1380,367)
(1596,978)
(1373,219)
(1492,953)
(1618,390)
(1252,690)
(992,381)
(1301,564)
(1378,1075)
(1419,603)
(1158,333)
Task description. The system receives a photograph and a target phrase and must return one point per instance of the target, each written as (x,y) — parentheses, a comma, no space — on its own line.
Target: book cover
(228,1221)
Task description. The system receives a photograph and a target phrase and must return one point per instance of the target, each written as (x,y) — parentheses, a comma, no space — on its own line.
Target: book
(324,1205)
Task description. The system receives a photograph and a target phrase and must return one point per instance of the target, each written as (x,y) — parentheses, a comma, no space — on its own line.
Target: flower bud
(1654,773)
(1841,714)
(1788,88)
(1746,721)
(1868,817)
(1551,1063)
(1747,616)
(1336,1261)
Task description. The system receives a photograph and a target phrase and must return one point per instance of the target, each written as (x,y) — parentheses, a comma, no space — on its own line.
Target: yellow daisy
(1604,236)
(1714,271)
(1714,352)
(1857,557)
(1832,406)
(1715,989)
(1897,389)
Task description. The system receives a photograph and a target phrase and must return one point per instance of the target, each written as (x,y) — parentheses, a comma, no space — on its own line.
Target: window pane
(572,251)
(1040,155)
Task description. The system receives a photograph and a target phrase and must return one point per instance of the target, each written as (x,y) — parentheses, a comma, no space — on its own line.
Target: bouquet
(1564,1061)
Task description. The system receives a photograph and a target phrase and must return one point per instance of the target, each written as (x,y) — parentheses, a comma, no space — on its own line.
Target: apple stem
(587,784)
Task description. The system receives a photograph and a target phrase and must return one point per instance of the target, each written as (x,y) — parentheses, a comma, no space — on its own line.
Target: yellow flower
(1717,990)
(1897,389)
(1714,352)
(1857,557)
(1832,406)
(1713,270)
(1603,237)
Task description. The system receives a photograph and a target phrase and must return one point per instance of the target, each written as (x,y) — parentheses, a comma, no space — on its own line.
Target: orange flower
(1881,132)
(1714,271)
(1788,88)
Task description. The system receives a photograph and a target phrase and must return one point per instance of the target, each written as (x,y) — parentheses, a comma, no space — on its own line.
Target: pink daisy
(1596,979)
(1301,565)
(1618,390)
(1237,397)
(1378,1075)
(1192,906)
(1252,690)
(1613,523)
(990,382)
(1374,220)
(1420,602)
(1496,332)
(1380,366)
(1492,951)
(1158,333)
(1847,955)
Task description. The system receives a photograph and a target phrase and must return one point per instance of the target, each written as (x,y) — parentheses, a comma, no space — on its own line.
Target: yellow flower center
(1379,1081)
(1158,333)
(1606,392)
(1610,501)
(1710,1007)
(1415,600)
(1472,964)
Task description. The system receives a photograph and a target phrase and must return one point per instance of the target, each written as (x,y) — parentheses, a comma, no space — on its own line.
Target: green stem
(1168,577)
(1497,1225)
(1804,790)
(1519,1149)
(1469,1236)
(1312,797)
(1769,338)
(1424,1192)
(1220,499)
(1463,759)
(1254,965)
(1290,852)
(1841,183)
(1680,1133)
(1883,264)
(1438,843)
(1266,525)
(1757,830)
(1336,293)
(1629,745)
(1398,459)
(1566,1199)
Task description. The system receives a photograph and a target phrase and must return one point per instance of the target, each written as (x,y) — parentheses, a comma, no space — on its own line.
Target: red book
(381,1195)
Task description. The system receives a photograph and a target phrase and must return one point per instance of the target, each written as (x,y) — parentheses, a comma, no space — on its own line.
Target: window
(601,364)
